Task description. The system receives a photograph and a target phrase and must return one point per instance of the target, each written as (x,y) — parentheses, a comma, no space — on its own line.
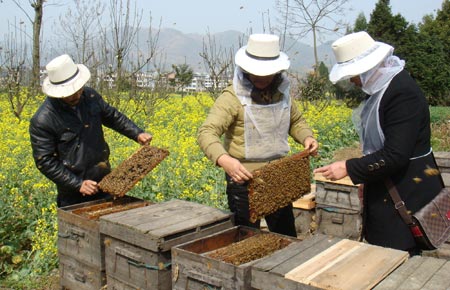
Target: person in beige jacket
(255,115)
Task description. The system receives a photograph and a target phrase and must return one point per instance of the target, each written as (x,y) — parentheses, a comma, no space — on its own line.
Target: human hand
(144,138)
(333,171)
(89,187)
(234,168)
(312,145)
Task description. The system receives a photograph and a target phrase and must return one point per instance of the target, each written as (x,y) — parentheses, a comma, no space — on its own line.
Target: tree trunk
(38,6)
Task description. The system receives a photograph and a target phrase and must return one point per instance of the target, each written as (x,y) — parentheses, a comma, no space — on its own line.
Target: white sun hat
(355,54)
(64,77)
(262,56)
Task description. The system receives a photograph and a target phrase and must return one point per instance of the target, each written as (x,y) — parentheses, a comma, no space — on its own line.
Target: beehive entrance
(279,183)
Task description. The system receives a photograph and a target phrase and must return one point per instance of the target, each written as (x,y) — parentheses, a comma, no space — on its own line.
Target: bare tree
(38,8)
(219,64)
(120,34)
(302,17)
(14,62)
(79,27)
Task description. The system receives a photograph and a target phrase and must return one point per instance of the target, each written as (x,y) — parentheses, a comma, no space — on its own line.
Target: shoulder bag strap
(398,202)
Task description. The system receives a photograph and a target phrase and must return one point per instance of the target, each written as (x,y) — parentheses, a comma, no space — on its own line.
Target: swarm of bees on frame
(279,183)
(132,170)
(250,249)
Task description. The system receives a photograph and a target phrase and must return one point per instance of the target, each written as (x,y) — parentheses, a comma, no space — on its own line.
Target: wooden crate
(75,275)
(321,262)
(419,273)
(138,242)
(443,162)
(338,209)
(194,268)
(80,244)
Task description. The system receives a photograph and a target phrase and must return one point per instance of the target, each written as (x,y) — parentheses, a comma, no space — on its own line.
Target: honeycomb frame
(279,183)
(133,169)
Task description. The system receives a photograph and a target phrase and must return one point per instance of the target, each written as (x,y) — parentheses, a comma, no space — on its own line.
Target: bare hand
(312,145)
(334,171)
(89,187)
(234,168)
(144,138)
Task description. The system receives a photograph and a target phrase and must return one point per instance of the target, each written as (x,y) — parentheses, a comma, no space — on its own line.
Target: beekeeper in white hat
(66,132)
(394,129)
(255,115)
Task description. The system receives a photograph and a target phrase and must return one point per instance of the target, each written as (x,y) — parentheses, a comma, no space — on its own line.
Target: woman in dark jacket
(394,129)
(66,133)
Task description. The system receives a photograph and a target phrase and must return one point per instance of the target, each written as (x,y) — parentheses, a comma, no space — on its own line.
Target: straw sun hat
(262,56)
(64,77)
(355,54)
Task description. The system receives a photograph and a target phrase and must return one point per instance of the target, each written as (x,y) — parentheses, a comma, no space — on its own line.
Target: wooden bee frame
(132,170)
(279,183)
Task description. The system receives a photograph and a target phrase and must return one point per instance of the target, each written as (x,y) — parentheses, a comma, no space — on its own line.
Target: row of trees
(425,46)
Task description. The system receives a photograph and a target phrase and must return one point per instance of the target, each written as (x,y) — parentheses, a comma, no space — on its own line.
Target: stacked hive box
(138,242)
(80,245)
(338,209)
(443,162)
(321,262)
(223,260)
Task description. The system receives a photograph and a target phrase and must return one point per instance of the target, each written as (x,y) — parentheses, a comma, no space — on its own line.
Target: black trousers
(282,221)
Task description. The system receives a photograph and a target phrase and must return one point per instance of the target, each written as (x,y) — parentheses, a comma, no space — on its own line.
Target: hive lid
(159,226)
(278,184)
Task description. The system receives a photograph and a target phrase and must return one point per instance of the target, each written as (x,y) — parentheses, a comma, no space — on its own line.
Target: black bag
(430,225)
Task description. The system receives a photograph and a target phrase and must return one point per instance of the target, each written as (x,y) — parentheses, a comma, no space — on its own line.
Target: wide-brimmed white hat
(262,56)
(355,54)
(64,77)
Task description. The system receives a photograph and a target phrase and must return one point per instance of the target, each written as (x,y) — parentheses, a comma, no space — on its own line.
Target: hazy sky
(199,16)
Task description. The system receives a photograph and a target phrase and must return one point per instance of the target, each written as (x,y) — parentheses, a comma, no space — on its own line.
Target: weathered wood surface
(75,275)
(79,236)
(424,273)
(135,267)
(443,161)
(159,227)
(269,273)
(193,268)
(344,181)
(348,265)
(338,209)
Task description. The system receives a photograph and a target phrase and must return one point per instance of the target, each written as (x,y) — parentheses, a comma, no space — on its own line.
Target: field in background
(28,229)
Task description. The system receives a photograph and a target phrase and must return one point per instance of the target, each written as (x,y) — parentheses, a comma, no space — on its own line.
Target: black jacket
(405,121)
(68,144)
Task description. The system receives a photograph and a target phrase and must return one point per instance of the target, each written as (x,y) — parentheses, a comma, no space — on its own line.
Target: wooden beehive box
(223,260)
(321,262)
(338,209)
(419,273)
(80,244)
(138,242)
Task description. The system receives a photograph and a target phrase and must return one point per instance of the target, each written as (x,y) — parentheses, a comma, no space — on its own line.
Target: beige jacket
(226,117)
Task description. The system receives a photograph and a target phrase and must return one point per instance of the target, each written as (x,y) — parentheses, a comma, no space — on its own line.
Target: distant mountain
(177,48)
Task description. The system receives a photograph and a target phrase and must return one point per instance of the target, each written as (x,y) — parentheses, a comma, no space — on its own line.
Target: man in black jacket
(67,136)
(394,130)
